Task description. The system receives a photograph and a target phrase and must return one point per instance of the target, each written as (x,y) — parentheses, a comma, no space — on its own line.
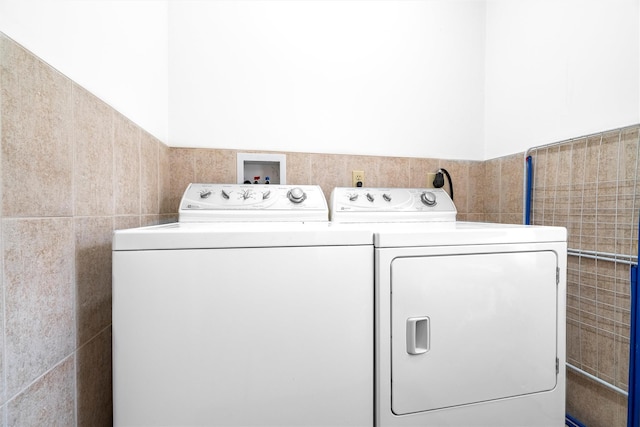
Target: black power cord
(438,182)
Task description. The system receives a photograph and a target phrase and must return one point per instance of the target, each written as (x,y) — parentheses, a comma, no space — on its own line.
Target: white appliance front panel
(538,409)
(231,337)
(479,338)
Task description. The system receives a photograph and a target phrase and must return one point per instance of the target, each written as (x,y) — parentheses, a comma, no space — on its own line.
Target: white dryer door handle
(418,335)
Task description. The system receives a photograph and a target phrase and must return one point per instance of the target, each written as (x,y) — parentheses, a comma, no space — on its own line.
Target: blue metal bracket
(528,191)
(633,404)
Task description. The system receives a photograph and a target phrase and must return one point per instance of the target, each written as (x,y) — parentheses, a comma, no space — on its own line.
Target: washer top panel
(462,233)
(349,204)
(221,235)
(259,203)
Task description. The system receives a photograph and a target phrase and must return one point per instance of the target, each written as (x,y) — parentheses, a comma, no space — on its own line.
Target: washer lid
(224,235)
(350,204)
(240,202)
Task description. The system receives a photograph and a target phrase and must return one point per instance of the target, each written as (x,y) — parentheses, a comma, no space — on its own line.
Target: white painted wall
(558,69)
(116,49)
(459,79)
(381,77)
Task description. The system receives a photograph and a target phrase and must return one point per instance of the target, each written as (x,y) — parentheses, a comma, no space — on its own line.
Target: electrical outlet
(430,178)
(357,178)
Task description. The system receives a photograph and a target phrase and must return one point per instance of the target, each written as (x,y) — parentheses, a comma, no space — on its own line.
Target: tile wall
(72,170)
(329,170)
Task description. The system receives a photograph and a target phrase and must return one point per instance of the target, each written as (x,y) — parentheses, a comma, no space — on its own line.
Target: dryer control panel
(350,204)
(239,202)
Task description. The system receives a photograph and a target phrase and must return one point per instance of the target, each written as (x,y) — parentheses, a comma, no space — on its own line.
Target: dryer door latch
(418,335)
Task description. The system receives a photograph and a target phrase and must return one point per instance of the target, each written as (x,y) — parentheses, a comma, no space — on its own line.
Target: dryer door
(472,328)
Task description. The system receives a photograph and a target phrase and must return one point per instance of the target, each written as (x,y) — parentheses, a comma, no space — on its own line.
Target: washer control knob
(296,195)
(266,195)
(370,197)
(225,195)
(428,198)
(386,197)
(205,194)
(353,197)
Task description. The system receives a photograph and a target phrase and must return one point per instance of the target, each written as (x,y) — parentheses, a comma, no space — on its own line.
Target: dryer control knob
(296,195)
(205,194)
(428,198)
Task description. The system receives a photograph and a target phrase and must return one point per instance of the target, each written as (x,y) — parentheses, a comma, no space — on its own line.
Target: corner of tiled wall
(502,192)
(72,170)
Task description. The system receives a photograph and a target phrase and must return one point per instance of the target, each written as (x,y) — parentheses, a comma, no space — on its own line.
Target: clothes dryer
(470,317)
(253,310)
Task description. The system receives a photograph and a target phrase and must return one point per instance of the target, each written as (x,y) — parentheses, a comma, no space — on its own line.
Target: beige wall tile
(419,168)
(374,172)
(607,357)
(551,166)
(39,296)
(394,172)
(330,171)
(492,217)
(512,185)
(608,156)
(182,173)
(622,368)
(50,401)
(588,339)
(477,188)
(149,185)
(93,168)
(491,204)
(167,218)
(126,149)
(511,218)
(459,171)
(538,196)
(94,372)
(565,173)
(573,342)
(164,180)
(593,404)
(299,169)
(124,222)
(93,275)
(578,160)
(475,217)
(592,157)
(215,166)
(146,220)
(628,154)
(37,148)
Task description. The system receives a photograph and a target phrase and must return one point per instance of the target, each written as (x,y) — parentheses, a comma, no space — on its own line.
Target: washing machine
(470,317)
(252,310)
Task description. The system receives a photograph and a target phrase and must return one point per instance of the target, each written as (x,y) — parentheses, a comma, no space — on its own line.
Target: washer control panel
(241,202)
(350,204)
